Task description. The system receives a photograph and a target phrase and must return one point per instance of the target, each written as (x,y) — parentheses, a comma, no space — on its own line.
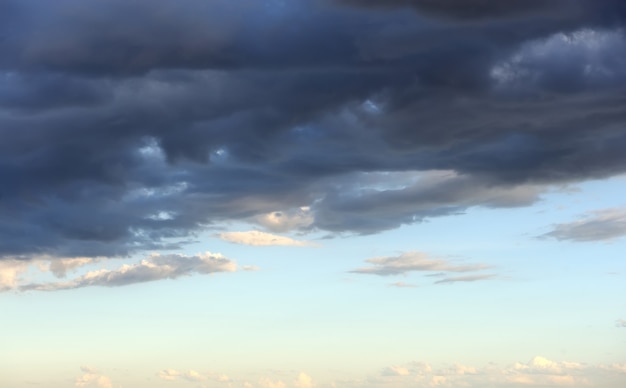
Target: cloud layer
(133,126)
(537,372)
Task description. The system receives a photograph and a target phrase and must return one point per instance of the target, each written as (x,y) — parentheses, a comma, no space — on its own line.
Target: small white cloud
(169,374)
(620,323)
(192,375)
(303,381)
(412,262)
(10,271)
(93,379)
(395,371)
(257,238)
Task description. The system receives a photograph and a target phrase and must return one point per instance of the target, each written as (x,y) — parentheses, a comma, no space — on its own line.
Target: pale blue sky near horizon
(304,310)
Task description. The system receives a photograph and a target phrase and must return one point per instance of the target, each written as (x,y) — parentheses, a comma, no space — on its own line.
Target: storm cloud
(135,126)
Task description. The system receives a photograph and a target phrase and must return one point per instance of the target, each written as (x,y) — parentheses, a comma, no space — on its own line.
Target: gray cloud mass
(133,126)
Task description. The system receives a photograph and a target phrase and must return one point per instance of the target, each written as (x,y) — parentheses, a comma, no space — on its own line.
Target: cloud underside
(155,267)
(257,238)
(408,262)
(132,126)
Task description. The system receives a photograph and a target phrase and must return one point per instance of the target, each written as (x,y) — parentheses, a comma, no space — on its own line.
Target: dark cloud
(602,225)
(470,9)
(132,126)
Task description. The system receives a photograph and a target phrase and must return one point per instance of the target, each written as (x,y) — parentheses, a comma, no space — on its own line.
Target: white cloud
(93,379)
(538,372)
(620,323)
(303,381)
(10,271)
(396,371)
(256,238)
(168,374)
(156,267)
(413,261)
(192,375)
(601,225)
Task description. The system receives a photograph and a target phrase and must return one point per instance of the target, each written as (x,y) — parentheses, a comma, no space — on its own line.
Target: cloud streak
(601,225)
(257,238)
(468,278)
(413,262)
(156,267)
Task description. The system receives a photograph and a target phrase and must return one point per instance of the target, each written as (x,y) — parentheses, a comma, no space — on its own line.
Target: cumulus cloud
(411,262)
(156,267)
(257,238)
(601,225)
(130,127)
(538,372)
(265,382)
(93,379)
(303,381)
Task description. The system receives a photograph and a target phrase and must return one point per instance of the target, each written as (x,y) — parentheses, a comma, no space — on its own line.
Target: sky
(312,193)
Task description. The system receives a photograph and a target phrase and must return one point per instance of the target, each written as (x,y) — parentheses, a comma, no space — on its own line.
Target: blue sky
(338,193)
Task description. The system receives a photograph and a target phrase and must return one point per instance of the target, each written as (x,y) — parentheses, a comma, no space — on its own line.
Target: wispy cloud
(413,262)
(403,285)
(257,238)
(601,225)
(156,267)
(468,278)
(620,323)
